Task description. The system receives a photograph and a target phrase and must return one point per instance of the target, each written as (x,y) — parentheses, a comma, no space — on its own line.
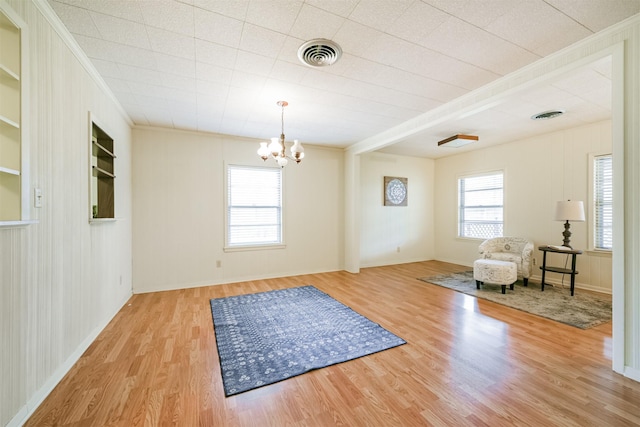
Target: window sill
(472,239)
(254,248)
(599,253)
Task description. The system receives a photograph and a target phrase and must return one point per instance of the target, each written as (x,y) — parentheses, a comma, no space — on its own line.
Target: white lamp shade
(570,211)
(275,147)
(263,151)
(297,151)
(297,148)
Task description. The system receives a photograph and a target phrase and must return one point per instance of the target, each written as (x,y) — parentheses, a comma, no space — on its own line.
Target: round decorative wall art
(395,191)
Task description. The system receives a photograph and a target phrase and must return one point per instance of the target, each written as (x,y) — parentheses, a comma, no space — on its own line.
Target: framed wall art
(395,191)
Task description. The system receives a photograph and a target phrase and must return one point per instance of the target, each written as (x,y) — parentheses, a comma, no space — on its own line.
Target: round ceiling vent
(547,115)
(319,52)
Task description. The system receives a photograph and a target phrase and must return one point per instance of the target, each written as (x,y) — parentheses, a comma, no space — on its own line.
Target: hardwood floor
(468,362)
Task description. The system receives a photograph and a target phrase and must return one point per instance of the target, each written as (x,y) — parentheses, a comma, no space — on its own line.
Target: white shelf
(10,122)
(101,220)
(16,224)
(9,171)
(102,149)
(103,172)
(6,72)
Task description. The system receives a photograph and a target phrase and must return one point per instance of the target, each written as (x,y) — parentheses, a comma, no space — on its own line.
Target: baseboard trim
(390,262)
(455,261)
(20,418)
(567,284)
(39,396)
(137,289)
(632,373)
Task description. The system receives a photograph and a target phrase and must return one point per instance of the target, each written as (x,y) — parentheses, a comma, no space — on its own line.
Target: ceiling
(221,65)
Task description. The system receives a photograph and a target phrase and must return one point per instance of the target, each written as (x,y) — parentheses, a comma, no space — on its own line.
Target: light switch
(37,197)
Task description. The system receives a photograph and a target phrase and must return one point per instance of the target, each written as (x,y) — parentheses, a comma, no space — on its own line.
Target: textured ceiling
(221,65)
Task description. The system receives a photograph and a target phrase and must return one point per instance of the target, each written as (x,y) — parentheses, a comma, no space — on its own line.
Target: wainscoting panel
(12,319)
(62,278)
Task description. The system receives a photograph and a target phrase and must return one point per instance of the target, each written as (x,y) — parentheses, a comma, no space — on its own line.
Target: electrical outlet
(218,264)
(534,261)
(398,249)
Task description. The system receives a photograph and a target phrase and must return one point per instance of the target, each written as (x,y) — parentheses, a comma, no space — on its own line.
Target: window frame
(592,238)
(459,178)
(254,245)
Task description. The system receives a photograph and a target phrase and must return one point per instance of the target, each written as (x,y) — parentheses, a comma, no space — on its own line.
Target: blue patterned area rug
(270,336)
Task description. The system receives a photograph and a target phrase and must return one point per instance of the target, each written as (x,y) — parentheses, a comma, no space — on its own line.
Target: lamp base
(567,235)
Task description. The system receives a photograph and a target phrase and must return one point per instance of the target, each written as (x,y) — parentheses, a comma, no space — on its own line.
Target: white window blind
(603,201)
(254,206)
(480,206)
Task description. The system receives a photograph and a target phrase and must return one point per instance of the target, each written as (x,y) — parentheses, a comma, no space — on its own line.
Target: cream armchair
(515,249)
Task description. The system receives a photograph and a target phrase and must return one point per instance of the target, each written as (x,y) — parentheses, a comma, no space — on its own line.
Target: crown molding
(49,14)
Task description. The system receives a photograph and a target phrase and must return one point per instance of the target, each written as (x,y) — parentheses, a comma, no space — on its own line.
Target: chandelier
(276,148)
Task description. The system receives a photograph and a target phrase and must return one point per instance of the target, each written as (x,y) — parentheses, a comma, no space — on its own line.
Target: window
(480,206)
(603,202)
(254,206)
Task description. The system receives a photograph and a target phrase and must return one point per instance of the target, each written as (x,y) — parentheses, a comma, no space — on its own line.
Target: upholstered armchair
(515,249)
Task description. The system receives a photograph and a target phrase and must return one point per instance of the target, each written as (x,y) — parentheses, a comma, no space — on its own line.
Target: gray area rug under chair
(270,336)
(583,310)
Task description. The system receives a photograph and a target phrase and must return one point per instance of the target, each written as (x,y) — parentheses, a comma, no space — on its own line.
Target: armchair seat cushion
(505,256)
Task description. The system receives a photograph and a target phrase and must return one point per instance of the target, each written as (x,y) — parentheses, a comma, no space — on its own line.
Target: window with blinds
(254,206)
(603,202)
(480,206)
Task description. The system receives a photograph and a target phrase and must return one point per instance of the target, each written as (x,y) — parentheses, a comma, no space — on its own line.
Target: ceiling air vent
(319,52)
(545,115)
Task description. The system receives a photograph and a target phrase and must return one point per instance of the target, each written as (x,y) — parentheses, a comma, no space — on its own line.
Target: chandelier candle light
(276,148)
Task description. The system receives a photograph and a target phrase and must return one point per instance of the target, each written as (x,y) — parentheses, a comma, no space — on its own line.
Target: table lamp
(569,211)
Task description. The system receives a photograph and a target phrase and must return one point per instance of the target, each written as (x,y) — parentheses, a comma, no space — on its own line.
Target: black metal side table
(572,271)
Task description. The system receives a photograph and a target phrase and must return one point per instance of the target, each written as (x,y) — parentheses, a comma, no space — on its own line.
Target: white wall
(61,279)
(178,211)
(538,172)
(384,229)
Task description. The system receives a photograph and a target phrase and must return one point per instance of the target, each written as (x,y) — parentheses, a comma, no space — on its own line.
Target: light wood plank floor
(468,362)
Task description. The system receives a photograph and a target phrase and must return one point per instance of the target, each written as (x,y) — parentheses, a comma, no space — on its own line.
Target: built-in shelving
(7,121)
(102,174)
(9,171)
(11,117)
(6,72)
